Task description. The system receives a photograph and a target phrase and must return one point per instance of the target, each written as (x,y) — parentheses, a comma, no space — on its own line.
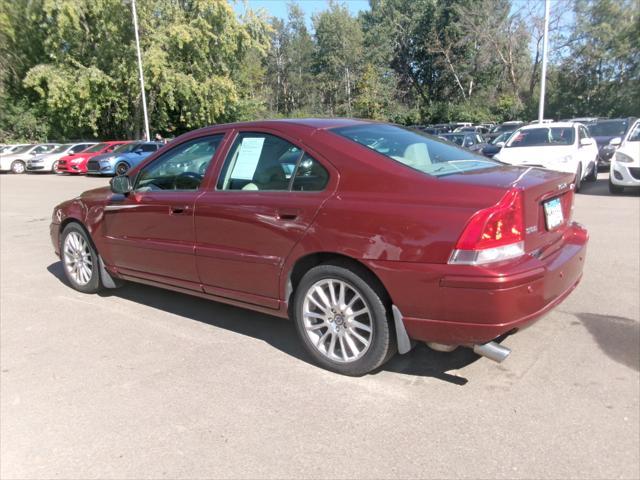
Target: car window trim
(303,151)
(150,160)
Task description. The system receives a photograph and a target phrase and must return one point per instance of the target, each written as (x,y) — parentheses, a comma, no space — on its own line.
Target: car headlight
(623,158)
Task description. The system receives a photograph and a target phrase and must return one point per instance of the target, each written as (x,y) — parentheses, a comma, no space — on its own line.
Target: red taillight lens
(495,226)
(493,234)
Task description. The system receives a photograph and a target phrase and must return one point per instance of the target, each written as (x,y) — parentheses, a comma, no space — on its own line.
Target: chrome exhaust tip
(493,351)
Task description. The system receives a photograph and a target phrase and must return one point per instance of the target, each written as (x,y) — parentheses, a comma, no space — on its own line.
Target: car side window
(259,161)
(634,136)
(310,176)
(182,168)
(149,147)
(582,133)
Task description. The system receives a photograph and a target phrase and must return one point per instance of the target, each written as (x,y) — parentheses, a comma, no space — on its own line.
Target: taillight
(493,234)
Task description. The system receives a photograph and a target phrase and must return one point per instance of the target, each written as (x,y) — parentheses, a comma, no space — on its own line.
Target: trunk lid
(539,187)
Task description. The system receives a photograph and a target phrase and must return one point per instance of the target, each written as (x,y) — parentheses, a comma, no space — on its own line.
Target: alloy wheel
(77,258)
(337,320)
(18,167)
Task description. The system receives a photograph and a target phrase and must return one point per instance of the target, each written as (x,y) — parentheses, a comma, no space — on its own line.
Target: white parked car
(625,164)
(16,161)
(47,162)
(561,146)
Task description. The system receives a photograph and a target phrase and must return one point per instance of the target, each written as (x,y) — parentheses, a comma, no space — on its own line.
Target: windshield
(457,139)
(415,149)
(22,149)
(501,138)
(96,148)
(61,148)
(612,128)
(540,137)
(635,134)
(126,148)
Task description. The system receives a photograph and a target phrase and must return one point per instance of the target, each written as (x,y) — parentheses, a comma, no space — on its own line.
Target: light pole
(144,95)
(545,49)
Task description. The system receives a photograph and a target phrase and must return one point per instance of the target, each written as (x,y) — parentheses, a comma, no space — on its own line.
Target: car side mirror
(121,184)
(500,144)
(586,141)
(616,141)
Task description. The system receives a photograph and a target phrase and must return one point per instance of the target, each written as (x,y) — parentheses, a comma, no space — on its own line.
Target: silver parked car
(48,162)
(16,161)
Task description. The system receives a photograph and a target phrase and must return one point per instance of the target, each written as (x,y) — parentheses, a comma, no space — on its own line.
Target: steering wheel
(187,181)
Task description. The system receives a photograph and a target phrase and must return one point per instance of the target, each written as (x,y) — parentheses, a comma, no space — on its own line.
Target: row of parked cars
(580,145)
(93,158)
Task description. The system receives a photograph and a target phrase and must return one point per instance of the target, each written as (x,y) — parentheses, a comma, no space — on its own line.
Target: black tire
(93,285)
(121,168)
(578,181)
(593,174)
(382,341)
(18,167)
(615,189)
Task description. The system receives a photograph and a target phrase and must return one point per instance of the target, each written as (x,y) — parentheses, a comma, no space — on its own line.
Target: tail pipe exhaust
(492,350)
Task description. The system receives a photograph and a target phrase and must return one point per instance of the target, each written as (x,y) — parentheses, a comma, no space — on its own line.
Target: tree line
(68,67)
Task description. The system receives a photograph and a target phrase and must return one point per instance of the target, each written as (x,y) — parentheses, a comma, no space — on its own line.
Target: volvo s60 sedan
(369,236)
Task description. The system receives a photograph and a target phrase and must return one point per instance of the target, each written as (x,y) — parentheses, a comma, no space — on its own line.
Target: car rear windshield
(611,128)
(96,148)
(540,137)
(415,149)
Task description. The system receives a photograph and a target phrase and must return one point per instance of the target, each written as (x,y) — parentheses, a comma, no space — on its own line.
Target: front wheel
(342,320)
(54,167)
(80,259)
(121,168)
(18,167)
(593,174)
(578,181)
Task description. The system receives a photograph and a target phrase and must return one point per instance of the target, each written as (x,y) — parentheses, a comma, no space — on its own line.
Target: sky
(278,8)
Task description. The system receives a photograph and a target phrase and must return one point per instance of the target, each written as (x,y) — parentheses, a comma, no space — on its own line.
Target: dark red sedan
(368,235)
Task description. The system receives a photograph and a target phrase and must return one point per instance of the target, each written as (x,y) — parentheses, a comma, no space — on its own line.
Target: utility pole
(545,54)
(144,96)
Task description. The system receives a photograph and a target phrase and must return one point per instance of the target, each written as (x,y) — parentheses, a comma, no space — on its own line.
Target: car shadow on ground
(279,333)
(617,337)
(600,188)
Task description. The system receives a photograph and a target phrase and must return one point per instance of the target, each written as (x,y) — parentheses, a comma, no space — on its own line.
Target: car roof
(310,123)
(550,124)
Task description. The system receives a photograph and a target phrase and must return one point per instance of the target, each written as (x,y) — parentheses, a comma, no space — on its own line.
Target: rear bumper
(462,306)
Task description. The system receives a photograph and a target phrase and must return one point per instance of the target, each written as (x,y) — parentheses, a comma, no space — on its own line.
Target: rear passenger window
(310,176)
(259,161)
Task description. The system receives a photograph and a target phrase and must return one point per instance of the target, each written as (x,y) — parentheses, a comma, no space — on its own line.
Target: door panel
(243,238)
(153,232)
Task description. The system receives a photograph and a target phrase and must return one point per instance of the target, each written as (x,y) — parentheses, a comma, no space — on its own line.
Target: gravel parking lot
(145,383)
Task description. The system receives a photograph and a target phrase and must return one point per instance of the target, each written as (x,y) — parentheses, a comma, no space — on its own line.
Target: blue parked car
(122,158)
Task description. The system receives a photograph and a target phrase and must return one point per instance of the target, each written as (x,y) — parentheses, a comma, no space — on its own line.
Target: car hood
(534,155)
(104,156)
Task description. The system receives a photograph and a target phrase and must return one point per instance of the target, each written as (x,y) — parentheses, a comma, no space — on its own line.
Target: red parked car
(77,163)
(368,235)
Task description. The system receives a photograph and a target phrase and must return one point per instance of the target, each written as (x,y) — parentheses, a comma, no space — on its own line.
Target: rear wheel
(342,320)
(613,188)
(80,259)
(18,167)
(121,168)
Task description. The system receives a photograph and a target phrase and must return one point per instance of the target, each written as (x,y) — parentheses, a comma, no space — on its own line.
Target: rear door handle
(179,210)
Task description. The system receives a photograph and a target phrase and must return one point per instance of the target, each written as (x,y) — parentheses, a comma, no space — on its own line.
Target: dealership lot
(141,382)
